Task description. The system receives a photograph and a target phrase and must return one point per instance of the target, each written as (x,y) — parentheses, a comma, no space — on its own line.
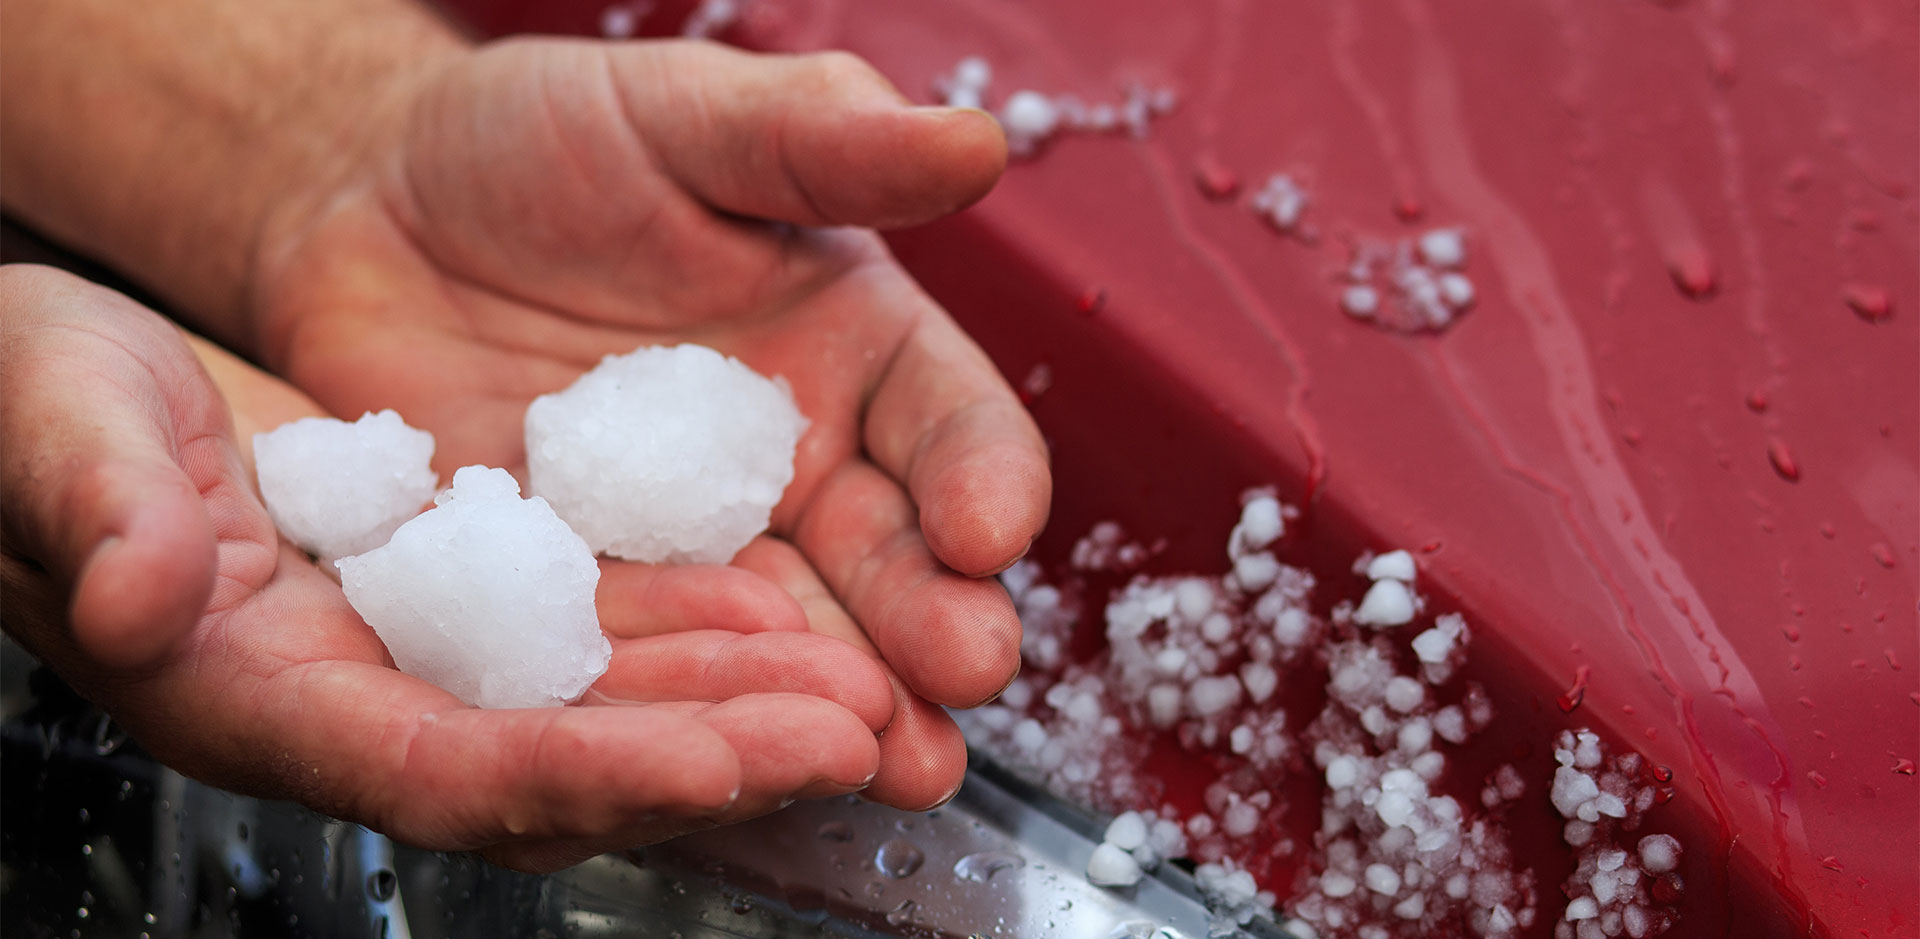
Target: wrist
(354,130)
(179,137)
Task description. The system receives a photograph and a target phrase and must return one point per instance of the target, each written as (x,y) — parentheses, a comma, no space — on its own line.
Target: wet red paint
(1708,200)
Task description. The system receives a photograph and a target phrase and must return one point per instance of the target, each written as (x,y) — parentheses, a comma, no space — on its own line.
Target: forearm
(166,137)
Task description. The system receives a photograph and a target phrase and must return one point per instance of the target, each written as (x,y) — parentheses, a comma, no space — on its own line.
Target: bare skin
(454,230)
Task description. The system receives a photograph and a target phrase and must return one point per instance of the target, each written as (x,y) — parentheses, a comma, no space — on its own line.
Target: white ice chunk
(973,72)
(1393,565)
(1582,908)
(1337,885)
(488,596)
(1127,831)
(335,488)
(1112,867)
(1404,694)
(670,454)
(1382,879)
(1342,772)
(1387,603)
(1456,290)
(1261,680)
(1028,117)
(1360,301)
(1659,853)
(1571,790)
(1260,523)
(1211,695)
(1290,627)
(1443,247)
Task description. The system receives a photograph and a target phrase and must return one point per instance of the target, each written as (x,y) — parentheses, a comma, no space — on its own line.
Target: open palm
(235,660)
(537,204)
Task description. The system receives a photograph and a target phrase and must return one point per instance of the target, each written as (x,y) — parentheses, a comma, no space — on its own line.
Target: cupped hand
(141,566)
(528,207)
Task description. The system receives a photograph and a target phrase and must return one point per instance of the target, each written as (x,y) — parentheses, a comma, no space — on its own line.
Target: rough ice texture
(335,488)
(1031,118)
(1621,885)
(1409,285)
(672,454)
(1203,663)
(488,596)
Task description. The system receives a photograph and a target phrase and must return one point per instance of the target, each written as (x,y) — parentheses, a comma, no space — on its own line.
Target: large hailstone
(672,454)
(488,596)
(335,488)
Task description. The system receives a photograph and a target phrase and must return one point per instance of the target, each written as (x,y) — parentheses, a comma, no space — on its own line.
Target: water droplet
(835,831)
(1782,460)
(1693,272)
(84,816)
(1882,554)
(1215,180)
(1791,631)
(1757,401)
(898,858)
(1805,702)
(1092,301)
(1893,662)
(1571,698)
(1831,863)
(900,915)
(980,868)
(741,905)
(1903,766)
(1818,779)
(86,850)
(381,885)
(1868,302)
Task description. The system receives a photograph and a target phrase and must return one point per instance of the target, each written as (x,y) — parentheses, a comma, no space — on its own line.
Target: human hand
(523,209)
(140,565)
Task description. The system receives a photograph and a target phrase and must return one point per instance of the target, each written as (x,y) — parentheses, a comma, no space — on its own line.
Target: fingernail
(941,110)
(943,800)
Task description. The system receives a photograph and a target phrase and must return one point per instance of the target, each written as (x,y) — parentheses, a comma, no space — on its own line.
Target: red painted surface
(1671,454)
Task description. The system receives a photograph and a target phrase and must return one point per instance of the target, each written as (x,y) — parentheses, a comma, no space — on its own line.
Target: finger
(637,600)
(817,139)
(943,421)
(792,747)
(259,402)
(369,744)
(112,434)
(925,757)
(781,564)
(922,754)
(712,665)
(955,640)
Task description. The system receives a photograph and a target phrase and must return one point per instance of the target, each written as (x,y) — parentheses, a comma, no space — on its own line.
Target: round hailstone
(335,488)
(488,596)
(1029,114)
(672,454)
(1109,866)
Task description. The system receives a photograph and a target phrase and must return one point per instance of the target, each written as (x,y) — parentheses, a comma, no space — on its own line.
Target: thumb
(107,420)
(817,139)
